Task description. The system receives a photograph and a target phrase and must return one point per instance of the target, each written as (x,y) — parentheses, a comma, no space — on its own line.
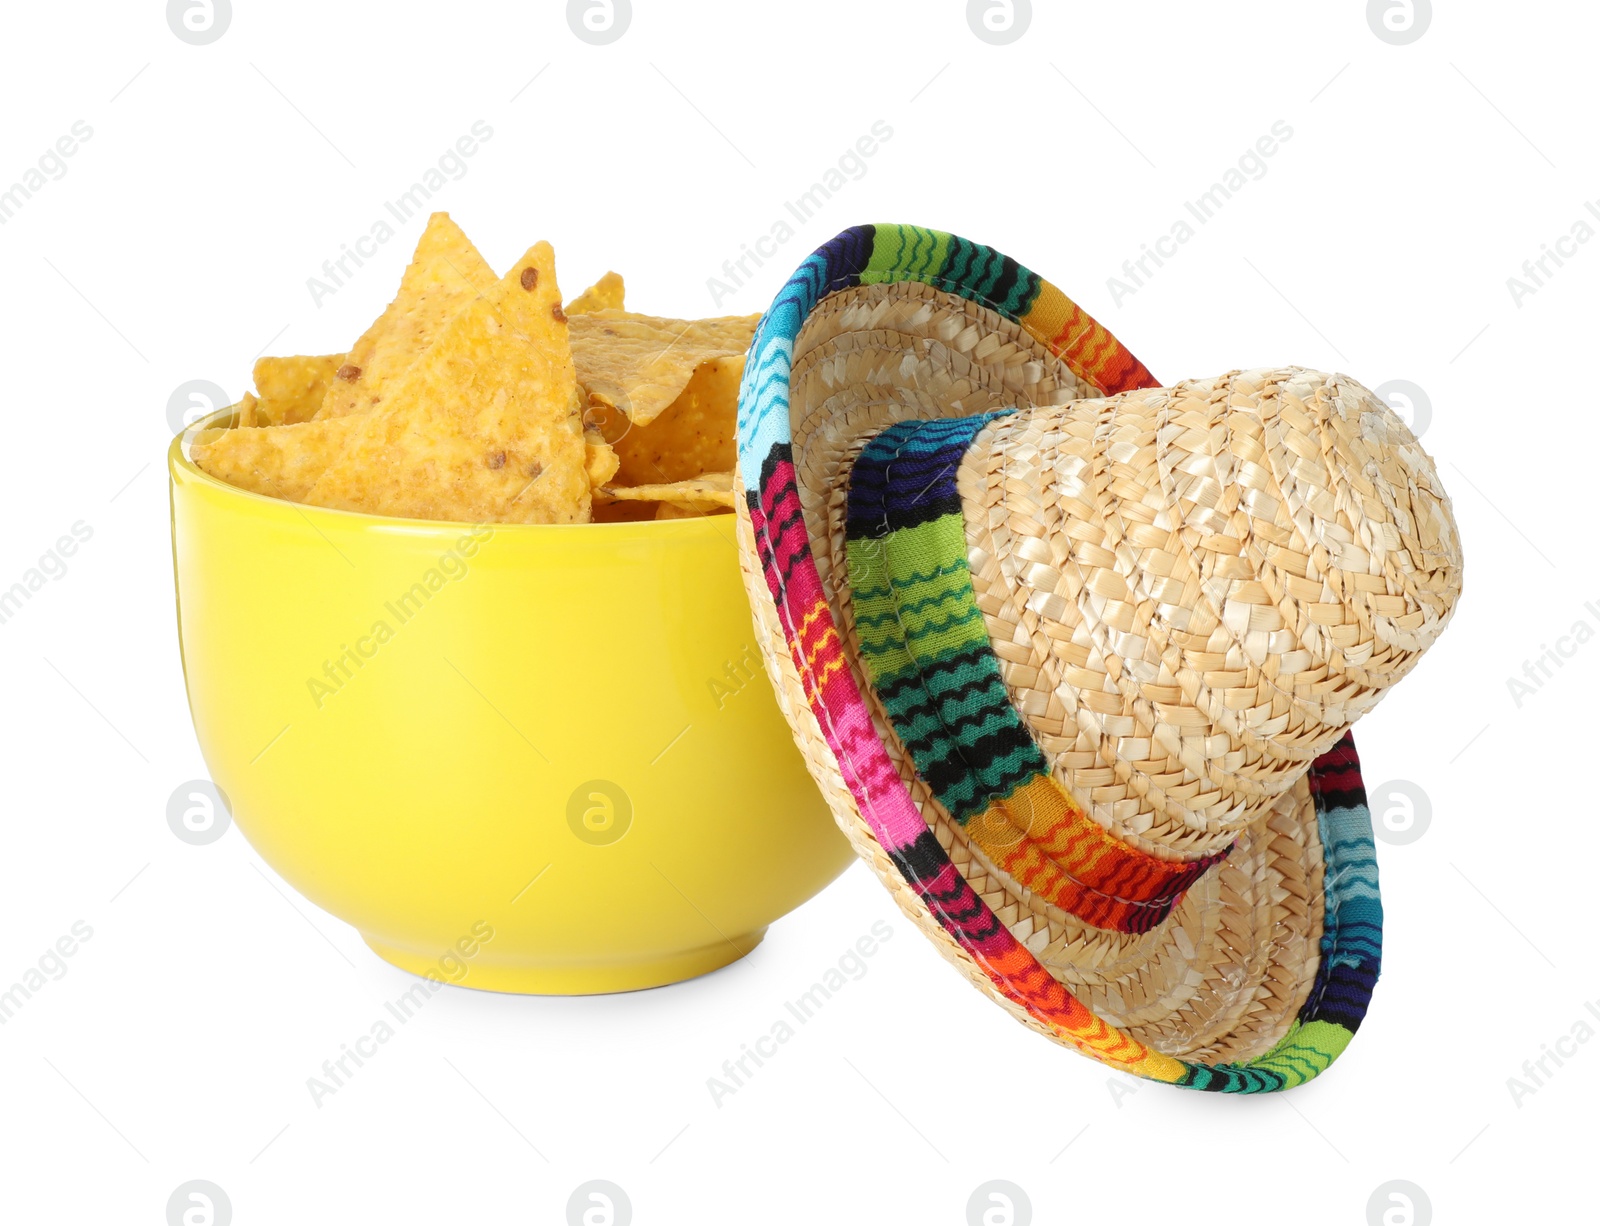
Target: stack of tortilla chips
(482,399)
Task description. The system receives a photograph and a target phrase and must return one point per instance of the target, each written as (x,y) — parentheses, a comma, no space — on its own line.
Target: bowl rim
(179,460)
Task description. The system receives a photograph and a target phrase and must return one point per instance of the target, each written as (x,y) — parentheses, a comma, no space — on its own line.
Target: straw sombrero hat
(1074,658)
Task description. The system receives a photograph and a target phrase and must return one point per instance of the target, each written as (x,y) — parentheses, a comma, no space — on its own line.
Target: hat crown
(1219,577)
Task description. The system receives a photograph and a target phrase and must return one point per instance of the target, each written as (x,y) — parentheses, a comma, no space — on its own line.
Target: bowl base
(543,979)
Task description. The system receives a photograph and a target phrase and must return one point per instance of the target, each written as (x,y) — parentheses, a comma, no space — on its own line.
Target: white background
(1379,241)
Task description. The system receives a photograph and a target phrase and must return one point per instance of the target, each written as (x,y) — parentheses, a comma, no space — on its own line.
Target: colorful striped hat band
(926,652)
(1073,657)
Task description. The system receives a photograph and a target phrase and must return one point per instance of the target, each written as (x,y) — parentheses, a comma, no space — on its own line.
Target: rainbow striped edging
(1353,917)
(928,658)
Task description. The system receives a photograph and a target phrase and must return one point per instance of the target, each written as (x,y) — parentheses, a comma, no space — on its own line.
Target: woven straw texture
(1192,592)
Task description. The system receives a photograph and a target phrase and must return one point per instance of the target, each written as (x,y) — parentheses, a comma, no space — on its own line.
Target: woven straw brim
(1200,737)
(1224,976)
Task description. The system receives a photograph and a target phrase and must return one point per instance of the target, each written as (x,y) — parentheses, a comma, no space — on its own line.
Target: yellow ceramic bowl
(558,736)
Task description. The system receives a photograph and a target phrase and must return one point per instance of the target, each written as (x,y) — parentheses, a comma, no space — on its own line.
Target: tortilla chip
(715,489)
(600,460)
(641,364)
(484,427)
(293,389)
(445,274)
(689,510)
(279,461)
(608,511)
(694,435)
(247,412)
(604,295)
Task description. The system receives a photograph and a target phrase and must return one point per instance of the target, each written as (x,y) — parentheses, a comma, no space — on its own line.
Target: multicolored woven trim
(1352,924)
(924,648)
